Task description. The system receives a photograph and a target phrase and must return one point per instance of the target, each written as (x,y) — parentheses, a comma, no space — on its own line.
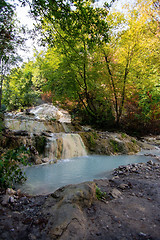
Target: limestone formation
(110,143)
(49,135)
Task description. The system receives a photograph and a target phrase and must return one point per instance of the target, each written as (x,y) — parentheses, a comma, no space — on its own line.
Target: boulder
(10,191)
(45,160)
(64,208)
(82,194)
(38,161)
(50,112)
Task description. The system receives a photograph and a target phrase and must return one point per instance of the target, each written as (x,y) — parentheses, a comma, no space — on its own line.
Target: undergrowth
(10,166)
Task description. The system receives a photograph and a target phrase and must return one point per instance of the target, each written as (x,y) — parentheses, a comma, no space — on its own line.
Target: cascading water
(53,124)
(62,146)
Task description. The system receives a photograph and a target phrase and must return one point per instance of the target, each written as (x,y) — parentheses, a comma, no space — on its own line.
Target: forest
(99,63)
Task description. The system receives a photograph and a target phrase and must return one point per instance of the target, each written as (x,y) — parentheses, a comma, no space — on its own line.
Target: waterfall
(63,146)
(51,123)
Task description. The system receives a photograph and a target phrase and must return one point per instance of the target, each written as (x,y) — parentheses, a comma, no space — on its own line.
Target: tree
(130,56)
(76,29)
(20,90)
(103,62)
(10,40)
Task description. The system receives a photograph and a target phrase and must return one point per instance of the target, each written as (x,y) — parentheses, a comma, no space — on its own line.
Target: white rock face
(45,117)
(60,143)
(64,146)
(48,111)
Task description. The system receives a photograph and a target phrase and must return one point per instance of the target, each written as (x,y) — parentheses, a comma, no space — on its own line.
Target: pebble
(150,162)
(16,215)
(136,168)
(10,191)
(123,186)
(18,192)
(24,200)
(99,234)
(142,234)
(115,177)
(32,237)
(132,194)
(11,199)
(115,193)
(5,200)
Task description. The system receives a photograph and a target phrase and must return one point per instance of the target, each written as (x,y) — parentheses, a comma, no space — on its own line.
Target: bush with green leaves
(10,166)
(99,194)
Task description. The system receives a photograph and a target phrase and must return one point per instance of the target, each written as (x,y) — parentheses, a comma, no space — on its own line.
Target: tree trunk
(1,81)
(114,90)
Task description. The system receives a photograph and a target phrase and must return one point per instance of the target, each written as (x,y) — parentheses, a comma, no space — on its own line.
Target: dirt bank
(129,208)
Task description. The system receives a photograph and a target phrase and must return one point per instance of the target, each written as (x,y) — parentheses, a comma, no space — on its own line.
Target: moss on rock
(116,146)
(40,143)
(109,143)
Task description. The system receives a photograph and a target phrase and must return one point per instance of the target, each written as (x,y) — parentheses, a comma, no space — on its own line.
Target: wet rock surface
(109,143)
(129,209)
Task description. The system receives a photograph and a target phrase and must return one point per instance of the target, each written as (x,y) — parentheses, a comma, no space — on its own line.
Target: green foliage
(95,135)
(19,88)
(103,66)
(134,141)
(40,143)
(71,22)
(99,194)
(10,167)
(123,135)
(116,146)
(131,58)
(6,27)
(149,102)
(73,74)
(91,140)
(10,39)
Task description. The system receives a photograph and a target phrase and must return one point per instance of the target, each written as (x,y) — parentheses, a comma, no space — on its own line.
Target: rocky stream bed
(128,208)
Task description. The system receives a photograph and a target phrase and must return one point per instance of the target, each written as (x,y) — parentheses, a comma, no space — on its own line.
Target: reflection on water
(44,179)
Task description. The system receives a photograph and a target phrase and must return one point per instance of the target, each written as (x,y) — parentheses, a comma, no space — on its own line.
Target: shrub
(123,135)
(99,194)
(10,166)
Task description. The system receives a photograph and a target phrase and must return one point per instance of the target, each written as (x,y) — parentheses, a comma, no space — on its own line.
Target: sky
(25,19)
